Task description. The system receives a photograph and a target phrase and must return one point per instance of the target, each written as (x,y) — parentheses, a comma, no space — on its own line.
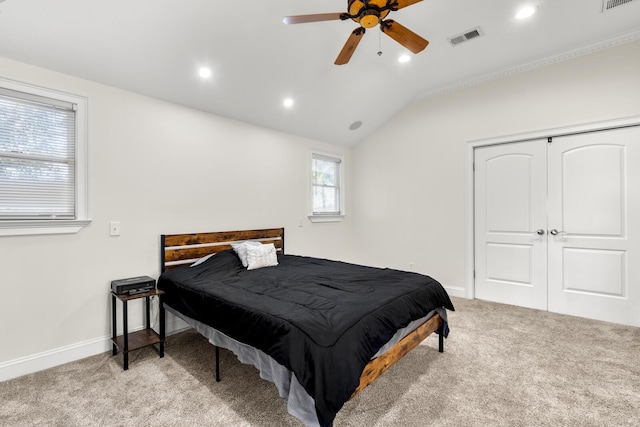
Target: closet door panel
(593,179)
(594,223)
(510,212)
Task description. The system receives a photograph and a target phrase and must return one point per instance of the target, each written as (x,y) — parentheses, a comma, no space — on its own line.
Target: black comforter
(321,319)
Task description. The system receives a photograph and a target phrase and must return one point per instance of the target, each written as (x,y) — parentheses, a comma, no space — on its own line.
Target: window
(326,187)
(42,161)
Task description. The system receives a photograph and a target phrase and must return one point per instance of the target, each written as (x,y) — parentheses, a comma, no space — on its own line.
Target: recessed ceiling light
(204,72)
(526,12)
(288,102)
(404,58)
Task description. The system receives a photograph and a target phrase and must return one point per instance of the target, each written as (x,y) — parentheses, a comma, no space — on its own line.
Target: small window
(42,161)
(326,187)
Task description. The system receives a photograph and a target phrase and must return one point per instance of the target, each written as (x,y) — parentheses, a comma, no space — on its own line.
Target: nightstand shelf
(135,340)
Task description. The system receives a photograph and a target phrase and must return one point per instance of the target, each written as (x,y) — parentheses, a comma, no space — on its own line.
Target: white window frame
(328,217)
(53,226)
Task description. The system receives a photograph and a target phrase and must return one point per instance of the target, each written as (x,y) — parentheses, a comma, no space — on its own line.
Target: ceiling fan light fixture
(370,18)
(368,14)
(404,58)
(288,102)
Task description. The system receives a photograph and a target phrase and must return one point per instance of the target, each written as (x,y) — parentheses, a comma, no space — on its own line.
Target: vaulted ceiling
(156,48)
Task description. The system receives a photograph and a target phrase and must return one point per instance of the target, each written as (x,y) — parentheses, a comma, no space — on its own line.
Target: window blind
(325,185)
(37,157)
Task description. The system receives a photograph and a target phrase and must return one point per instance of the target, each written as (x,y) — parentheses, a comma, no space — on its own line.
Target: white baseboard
(175,324)
(456,292)
(50,358)
(70,353)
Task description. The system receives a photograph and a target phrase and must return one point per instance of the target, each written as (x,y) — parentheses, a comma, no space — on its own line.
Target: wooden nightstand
(132,341)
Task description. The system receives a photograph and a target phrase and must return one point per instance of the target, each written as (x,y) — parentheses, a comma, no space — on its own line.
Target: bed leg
(217,364)
(441,338)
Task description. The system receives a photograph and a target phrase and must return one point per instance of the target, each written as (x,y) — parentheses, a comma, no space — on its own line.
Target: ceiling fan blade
(350,46)
(405,3)
(404,36)
(303,19)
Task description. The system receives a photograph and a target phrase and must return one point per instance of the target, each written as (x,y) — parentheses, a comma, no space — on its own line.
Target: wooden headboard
(184,249)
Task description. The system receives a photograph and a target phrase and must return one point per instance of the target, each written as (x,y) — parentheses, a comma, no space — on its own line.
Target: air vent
(467,35)
(610,4)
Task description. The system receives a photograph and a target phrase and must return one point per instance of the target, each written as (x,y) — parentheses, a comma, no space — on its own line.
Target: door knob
(540,232)
(554,232)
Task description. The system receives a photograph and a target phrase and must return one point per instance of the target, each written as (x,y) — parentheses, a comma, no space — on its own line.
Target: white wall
(408,203)
(157,168)
(161,168)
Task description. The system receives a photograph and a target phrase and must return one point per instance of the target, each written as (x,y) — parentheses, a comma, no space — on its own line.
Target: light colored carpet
(502,366)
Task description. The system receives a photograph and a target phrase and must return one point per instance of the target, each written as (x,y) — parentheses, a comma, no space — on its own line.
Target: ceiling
(155,48)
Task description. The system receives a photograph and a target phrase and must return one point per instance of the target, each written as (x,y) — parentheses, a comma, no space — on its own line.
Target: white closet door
(594,224)
(510,223)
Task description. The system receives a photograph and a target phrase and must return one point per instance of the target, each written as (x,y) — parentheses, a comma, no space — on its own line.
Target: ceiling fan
(368,13)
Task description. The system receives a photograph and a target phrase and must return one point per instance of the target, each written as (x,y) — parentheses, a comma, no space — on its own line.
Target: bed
(320,330)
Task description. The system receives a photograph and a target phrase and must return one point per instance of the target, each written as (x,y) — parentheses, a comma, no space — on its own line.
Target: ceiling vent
(468,35)
(610,4)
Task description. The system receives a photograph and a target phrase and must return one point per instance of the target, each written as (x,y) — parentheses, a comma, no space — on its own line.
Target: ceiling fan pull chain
(380,43)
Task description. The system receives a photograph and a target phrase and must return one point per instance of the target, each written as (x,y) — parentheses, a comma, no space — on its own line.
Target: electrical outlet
(114,228)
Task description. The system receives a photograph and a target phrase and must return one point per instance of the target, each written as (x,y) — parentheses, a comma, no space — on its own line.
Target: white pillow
(241,250)
(201,260)
(261,256)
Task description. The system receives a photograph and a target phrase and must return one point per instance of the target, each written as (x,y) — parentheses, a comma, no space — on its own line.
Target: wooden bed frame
(185,249)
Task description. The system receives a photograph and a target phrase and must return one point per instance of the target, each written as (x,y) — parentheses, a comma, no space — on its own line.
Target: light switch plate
(114,228)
